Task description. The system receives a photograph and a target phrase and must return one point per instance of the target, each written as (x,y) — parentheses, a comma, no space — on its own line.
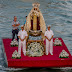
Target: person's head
(15,18)
(49,27)
(22,27)
(26,17)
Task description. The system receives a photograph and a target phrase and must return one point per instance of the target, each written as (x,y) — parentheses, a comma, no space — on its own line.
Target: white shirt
(17,22)
(22,34)
(49,34)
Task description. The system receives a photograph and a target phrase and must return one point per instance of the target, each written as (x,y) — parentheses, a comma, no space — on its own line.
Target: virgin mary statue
(35,22)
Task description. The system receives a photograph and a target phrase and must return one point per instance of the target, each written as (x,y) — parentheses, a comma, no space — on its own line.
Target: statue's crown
(36,4)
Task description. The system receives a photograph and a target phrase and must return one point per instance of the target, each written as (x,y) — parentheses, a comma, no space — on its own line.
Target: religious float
(35,53)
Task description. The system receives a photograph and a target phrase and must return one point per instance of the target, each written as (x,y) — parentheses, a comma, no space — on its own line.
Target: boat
(35,26)
(42,61)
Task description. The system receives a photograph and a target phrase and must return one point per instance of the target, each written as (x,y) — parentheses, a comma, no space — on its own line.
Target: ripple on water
(57,13)
(2,5)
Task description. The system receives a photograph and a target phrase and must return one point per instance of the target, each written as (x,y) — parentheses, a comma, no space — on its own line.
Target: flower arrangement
(57,42)
(35,49)
(63,54)
(15,55)
(14,43)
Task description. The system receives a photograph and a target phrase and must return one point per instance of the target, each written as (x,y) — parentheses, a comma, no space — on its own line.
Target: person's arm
(26,35)
(51,37)
(24,38)
(17,24)
(19,33)
(14,25)
(46,37)
(19,38)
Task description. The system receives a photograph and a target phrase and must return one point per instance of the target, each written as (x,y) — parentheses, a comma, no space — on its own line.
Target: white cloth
(49,44)
(17,22)
(22,44)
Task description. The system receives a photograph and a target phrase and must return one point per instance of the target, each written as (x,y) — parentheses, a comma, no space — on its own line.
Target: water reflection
(40,70)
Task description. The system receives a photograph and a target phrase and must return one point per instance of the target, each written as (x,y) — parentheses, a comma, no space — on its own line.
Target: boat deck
(43,61)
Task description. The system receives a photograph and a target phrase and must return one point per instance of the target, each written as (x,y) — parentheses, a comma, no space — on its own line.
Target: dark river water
(57,13)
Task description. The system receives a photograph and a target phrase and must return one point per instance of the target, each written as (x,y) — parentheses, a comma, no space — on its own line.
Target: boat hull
(43,61)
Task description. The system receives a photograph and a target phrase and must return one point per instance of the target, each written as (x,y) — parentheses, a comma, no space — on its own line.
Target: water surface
(57,13)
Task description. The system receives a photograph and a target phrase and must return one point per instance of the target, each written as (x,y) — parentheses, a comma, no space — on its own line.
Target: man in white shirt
(49,41)
(22,35)
(15,29)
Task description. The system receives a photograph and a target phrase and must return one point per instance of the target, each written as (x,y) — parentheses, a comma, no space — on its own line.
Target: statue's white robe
(27,26)
(49,44)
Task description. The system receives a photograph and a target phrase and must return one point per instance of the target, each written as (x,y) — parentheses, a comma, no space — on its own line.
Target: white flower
(13,55)
(63,54)
(14,42)
(63,50)
(15,52)
(35,50)
(11,43)
(18,55)
(57,42)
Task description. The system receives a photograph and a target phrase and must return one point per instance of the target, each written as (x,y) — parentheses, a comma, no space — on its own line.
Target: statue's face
(35,8)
